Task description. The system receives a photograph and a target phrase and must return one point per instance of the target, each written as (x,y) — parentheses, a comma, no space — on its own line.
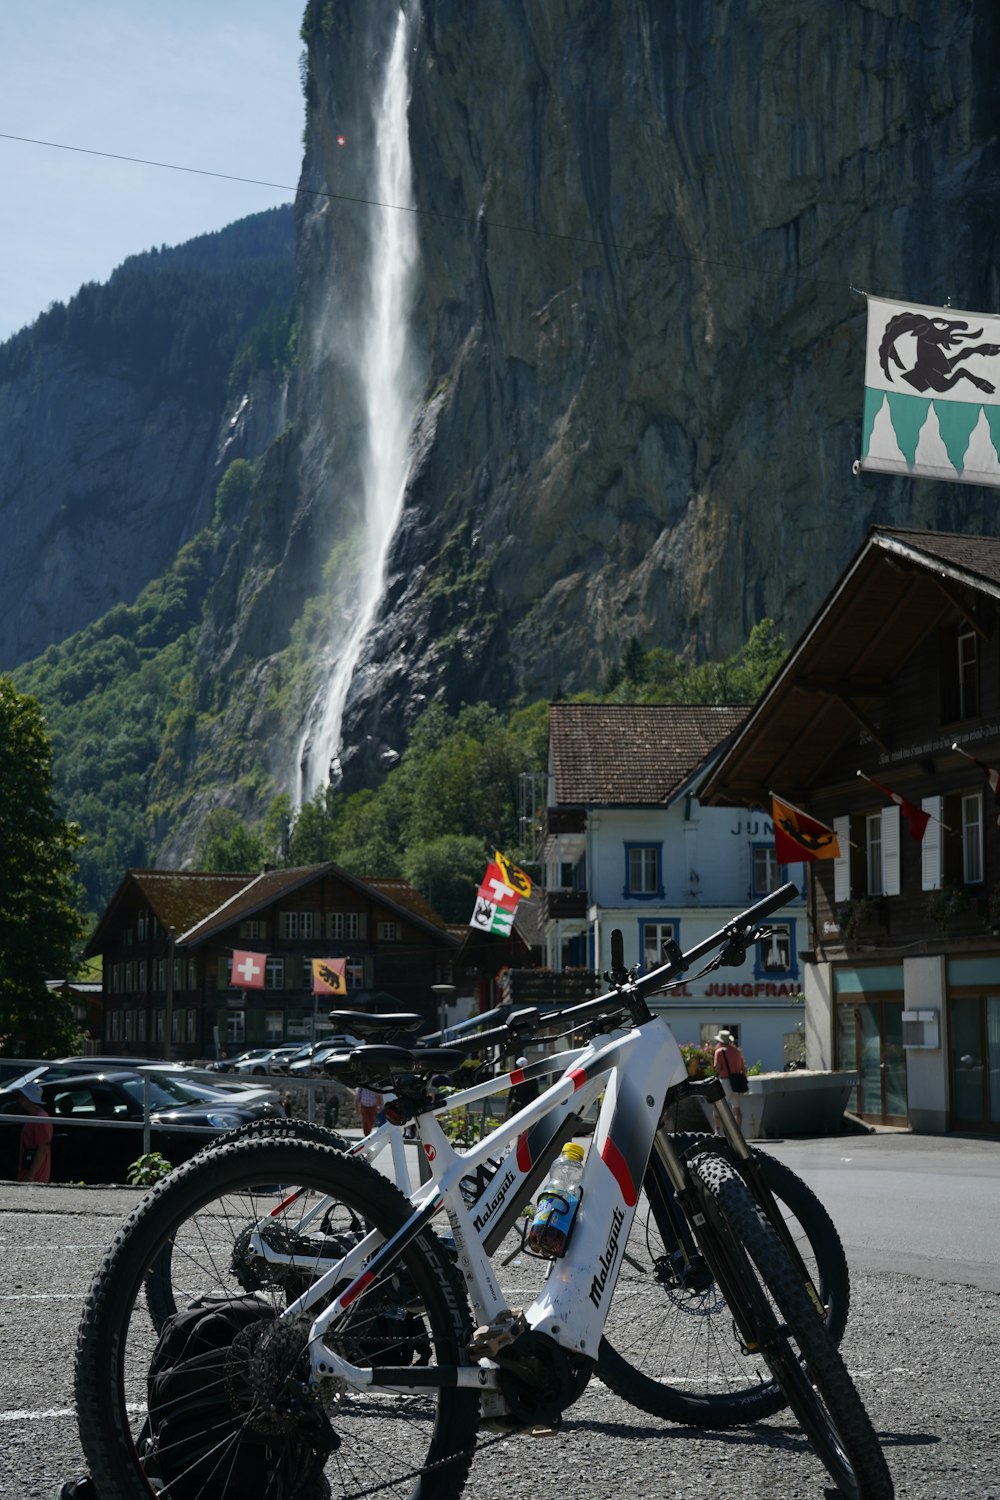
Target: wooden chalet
(167,939)
(900,664)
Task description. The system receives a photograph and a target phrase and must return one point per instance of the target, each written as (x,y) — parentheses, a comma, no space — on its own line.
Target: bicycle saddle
(364,1023)
(377,1061)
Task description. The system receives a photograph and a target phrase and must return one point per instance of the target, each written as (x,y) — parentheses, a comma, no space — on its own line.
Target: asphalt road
(919,1218)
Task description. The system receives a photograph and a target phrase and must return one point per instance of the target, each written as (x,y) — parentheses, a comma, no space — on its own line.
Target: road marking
(40,1296)
(59,1411)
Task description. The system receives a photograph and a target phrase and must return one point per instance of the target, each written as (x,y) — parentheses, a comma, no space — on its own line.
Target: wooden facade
(901,664)
(167,940)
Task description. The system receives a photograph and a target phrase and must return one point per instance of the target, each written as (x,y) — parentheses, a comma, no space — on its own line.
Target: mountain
(638,339)
(120,411)
(612,307)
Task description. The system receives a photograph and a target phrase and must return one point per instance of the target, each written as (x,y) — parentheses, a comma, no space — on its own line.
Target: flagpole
(906,799)
(803,814)
(800,810)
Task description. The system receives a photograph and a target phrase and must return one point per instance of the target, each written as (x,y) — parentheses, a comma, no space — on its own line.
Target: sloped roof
(406,896)
(177,898)
(900,586)
(632,755)
(198,905)
(397,896)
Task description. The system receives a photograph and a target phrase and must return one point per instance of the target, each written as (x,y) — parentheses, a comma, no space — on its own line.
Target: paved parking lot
(923,1349)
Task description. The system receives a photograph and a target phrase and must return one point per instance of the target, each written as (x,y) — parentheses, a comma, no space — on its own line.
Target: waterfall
(389,391)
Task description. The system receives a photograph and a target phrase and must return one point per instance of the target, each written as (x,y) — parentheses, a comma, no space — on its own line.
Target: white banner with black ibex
(932,408)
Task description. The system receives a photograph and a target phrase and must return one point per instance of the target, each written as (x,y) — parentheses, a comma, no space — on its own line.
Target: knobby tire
(402,1447)
(674,1352)
(750,1260)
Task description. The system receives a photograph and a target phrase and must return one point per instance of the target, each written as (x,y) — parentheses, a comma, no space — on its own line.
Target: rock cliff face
(637,343)
(641,223)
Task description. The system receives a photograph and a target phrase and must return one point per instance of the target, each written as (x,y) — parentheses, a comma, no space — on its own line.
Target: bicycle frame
(634,1072)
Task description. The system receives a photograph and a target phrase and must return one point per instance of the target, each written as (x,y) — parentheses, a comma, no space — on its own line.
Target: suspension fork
(749,1167)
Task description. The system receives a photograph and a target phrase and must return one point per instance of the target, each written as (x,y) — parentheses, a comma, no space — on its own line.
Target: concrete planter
(799,1103)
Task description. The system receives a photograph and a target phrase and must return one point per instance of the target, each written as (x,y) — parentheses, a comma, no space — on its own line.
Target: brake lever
(735,951)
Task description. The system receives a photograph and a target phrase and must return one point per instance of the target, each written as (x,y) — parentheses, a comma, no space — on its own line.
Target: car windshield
(194,1086)
(164,1091)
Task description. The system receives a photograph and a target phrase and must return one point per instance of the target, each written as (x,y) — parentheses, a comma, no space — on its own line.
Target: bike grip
(770,903)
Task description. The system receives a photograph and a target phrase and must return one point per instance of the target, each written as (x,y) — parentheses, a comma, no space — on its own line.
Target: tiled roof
(198,905)
(632,755)
(254,893)
(263,889)
(975,557)
(403,894)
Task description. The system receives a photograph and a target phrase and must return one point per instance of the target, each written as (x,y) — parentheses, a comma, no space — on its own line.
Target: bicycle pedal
(491,1337)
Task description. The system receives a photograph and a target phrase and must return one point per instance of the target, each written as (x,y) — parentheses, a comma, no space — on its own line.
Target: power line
(548,234)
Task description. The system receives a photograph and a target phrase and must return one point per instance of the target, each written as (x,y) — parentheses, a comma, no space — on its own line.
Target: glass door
(870,1041)
(975,1060)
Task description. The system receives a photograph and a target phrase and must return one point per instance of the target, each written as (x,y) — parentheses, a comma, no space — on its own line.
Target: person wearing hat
(34,1154)
(729,1063)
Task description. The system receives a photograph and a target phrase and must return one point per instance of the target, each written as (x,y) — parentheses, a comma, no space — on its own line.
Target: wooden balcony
(564,905)
(545,987)
(560,820)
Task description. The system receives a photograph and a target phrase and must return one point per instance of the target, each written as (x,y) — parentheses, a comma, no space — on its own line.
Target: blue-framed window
(775,957)
(643,872)
(766,873)
(652,938)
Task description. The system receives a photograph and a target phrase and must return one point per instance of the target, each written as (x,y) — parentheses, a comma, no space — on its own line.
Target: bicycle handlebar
(739,932)
(518,1025)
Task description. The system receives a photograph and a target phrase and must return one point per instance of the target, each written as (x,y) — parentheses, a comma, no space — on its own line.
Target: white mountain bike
(373,1335)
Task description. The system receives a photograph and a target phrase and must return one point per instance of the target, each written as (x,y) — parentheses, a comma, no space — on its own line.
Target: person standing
(34,1153)
(369,1104)
(731,1070)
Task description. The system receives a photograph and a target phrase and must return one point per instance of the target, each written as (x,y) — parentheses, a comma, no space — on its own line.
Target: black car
(99,1148)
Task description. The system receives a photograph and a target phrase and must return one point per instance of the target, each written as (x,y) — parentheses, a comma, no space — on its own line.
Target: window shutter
(931,846)
(842,863)
(890,851)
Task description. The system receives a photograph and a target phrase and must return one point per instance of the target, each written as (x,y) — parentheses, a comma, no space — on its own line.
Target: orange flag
(798,837)
(329,976)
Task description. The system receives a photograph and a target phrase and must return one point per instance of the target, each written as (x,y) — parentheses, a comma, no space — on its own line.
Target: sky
(211,84)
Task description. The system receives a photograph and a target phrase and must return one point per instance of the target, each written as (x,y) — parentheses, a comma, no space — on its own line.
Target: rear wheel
(233,1231)
(776,1313)
(160,1297)
(670,1346)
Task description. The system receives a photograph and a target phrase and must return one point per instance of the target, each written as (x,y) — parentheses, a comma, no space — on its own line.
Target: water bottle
(557,1204)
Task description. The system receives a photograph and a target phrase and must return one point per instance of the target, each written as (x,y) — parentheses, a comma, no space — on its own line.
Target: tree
(227,844)
(448,870)
(41,924)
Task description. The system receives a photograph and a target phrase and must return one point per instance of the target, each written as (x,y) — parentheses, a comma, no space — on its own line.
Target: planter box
(799,1103)
(779,1104)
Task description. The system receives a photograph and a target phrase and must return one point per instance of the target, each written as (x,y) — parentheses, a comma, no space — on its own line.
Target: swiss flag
(495,888)
(248,970)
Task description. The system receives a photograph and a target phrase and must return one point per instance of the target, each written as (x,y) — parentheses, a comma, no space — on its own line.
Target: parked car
(284,1064)
(62,1067)
(224,1089)
(99,1149)
(264,1059)
(312,1062)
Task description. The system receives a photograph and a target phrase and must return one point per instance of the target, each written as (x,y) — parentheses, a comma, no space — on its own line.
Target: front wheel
(236,1234)
(776,1314)
(670,1346)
